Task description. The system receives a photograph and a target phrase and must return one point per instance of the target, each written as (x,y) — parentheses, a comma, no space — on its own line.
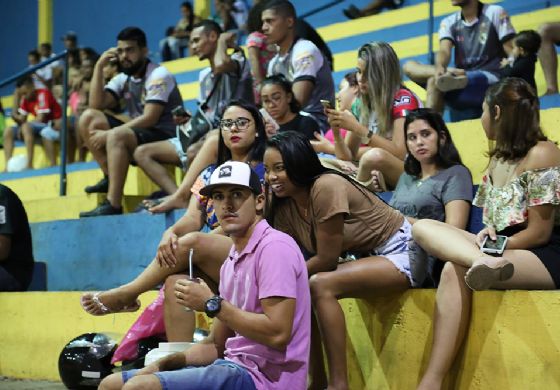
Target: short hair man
(227,78)
(261,332)
(70,40)
(41,104)
(16,253)
(42,77)
(299,60)
(150,93)
(482,35)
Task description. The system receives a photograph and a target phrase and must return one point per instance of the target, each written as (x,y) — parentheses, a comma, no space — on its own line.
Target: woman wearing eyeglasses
(241,138)
(278,100)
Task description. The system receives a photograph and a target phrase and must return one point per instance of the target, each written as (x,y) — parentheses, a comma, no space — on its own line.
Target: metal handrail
(430,33)
(64,131)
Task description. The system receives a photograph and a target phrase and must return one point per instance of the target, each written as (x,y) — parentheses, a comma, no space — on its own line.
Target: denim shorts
(35,126)
(222,374)
(179,150)
(401,250)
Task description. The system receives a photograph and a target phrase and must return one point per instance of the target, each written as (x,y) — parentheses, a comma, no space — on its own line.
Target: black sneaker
(101,186)
(104,208)
(352,12)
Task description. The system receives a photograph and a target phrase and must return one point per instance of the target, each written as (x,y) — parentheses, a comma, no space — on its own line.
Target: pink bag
(150,323)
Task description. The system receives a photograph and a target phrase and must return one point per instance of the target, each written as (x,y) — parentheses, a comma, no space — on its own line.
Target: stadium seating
(514,338)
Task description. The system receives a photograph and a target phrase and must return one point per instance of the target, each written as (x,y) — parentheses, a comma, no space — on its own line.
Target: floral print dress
(508,205)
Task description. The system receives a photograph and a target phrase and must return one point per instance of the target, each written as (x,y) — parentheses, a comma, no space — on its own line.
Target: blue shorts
(36,126)
(222,374)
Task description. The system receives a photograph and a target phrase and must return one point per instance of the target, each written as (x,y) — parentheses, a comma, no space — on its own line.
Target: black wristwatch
(213,305)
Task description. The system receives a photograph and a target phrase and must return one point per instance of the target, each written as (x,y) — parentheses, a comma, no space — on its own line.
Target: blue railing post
(430,33)
(64,134)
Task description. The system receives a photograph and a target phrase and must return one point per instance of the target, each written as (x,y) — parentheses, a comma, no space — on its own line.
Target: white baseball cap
(233,173)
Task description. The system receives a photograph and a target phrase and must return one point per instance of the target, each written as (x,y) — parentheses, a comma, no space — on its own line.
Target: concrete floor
(24,384)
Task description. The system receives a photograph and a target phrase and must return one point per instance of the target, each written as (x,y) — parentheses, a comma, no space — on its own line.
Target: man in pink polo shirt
(261,332)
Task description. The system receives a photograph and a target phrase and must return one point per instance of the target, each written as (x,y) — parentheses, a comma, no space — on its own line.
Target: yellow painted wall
(513,342)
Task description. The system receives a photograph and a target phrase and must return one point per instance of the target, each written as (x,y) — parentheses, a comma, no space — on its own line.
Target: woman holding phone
(519,194)
(278,100)
(384,103)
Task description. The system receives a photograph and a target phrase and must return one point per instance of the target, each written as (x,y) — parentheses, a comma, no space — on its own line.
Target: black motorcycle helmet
(86,360)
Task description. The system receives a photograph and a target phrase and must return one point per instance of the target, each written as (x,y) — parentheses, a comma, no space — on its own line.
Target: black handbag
(199,124)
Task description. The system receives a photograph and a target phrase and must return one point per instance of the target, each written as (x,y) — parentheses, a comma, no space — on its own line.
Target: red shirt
(404,102)
(43,103)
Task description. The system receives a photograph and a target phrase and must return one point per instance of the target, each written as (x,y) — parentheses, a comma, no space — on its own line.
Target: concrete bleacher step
(513,341)
(100,252)
(45,184)
(472,144)
(69,207)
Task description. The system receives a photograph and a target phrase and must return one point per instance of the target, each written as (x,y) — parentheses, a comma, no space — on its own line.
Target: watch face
(212,305)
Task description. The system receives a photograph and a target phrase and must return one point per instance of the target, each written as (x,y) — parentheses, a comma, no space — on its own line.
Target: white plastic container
(165,349)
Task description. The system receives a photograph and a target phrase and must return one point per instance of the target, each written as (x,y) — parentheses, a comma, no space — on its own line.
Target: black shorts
(143,136)
(548,254)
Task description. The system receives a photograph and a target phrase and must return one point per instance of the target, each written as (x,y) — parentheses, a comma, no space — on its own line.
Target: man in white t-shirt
(45,50)
(299,60)
(42,78)
(149,93)
(482,36)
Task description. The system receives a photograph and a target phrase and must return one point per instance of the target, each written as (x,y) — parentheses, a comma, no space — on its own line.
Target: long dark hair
(302,166)
(188,5)
(286,85)
(518,127)
(447,154)
(257,150)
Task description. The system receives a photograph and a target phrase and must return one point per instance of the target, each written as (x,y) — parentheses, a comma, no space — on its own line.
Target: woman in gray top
(435,184)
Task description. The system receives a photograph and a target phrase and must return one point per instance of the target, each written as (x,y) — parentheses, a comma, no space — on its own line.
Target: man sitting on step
(150,93)
(260,336)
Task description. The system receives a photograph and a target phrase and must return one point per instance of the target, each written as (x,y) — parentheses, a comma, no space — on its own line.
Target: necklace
(303,210)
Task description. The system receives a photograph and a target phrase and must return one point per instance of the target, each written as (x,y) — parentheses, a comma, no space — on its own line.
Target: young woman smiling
(333,217)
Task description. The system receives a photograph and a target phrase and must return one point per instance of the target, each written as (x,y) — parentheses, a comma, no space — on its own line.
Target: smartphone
(180,111)
(494,247)
(326,104)
(270,120)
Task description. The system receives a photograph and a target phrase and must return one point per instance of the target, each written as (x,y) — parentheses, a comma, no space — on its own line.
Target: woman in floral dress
(519,194)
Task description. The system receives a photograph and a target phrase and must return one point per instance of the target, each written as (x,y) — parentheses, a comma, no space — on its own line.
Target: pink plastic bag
(150,323)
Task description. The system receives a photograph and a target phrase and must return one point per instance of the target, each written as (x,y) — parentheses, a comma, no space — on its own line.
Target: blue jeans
(222,374)
(473,94)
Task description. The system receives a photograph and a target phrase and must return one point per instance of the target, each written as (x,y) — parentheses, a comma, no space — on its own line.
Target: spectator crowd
(285,172)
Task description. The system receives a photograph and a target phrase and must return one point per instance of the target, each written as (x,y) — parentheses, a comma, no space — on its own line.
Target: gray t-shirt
(231,86)
(479,44)
(304,61)
(427,198)
(157,86)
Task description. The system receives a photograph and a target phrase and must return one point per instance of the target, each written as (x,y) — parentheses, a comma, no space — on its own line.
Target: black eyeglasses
(240,123)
